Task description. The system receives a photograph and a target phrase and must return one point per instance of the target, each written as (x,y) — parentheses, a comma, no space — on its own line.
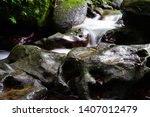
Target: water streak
(3,54)
(96,28)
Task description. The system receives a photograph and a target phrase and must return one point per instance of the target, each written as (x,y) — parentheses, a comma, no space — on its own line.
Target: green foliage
(13,20)
(33,11)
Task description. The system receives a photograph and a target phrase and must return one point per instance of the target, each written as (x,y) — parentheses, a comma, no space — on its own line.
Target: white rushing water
(96,28)
(93,27)
(3,54)
(61,50)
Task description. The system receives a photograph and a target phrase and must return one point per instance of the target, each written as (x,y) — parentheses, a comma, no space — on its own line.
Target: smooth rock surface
(69,13)
(84,67)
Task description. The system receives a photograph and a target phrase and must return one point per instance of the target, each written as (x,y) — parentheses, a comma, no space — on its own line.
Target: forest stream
(80,49)
(94,27)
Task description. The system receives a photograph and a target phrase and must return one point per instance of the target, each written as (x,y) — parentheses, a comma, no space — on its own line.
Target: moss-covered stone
(140,7)
(33,11)
(68,13)
(136,14)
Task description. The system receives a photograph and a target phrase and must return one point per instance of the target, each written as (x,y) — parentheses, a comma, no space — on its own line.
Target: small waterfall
(96,28)
(114,18)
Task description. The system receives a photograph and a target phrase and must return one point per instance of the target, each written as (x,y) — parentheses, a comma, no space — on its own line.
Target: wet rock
(116,3)
(120,90)
(141,89)
(69,13)
(93,11)
(29,72)
(107,71)
(102,3)
(89,67)
(39,63)
(67,40)
(125,36)
(136,13)
(19,85)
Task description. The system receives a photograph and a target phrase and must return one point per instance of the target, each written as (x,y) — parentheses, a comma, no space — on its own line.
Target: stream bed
(89,61)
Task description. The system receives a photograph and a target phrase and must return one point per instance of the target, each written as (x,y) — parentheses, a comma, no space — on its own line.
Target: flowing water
(95,28)
(3,54)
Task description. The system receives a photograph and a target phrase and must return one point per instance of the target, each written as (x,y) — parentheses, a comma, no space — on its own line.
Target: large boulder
(68,13)
(108,71)
(140,7)
(136,13)
(29,72)
(125,36)
(40,63)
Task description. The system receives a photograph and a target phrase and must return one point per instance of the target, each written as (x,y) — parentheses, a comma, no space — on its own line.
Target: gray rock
(84,67)
(125,36)
(68,40)
(39,63)
(20,86)
(29,72)
(116,3)
(69,13)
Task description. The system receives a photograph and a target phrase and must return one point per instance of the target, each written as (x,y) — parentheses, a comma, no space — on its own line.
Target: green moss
(72,3)
(63,7)
(67,5)
(110,12)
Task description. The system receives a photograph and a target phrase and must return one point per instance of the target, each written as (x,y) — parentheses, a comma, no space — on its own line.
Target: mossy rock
(140,7)
(68,13)
(40,63)
(136,14)
(26,11)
